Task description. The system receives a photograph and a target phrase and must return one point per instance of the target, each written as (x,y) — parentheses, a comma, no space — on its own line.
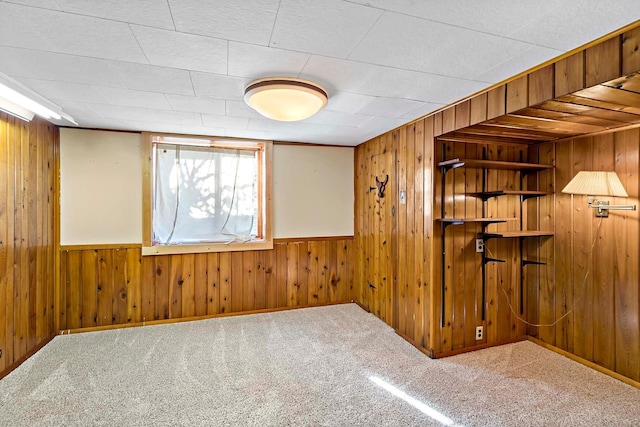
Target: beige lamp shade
(596,183)
(285,99)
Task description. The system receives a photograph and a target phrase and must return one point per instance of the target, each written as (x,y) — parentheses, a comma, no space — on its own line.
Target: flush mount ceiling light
(285,99)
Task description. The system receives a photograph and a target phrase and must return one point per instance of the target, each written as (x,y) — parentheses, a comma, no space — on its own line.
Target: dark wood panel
(118,286)
(27,245)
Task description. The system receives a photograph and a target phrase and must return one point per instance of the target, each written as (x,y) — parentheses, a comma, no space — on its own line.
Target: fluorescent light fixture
(16,110)
(598,183)
(285,99)
(15,98)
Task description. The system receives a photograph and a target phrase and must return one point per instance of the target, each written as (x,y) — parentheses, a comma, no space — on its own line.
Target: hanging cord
(178,186)
(584,281)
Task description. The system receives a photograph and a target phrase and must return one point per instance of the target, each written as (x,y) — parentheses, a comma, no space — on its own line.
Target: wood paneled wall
(409,232)
(415,294)
(591,295)
(27,179)
(114,286)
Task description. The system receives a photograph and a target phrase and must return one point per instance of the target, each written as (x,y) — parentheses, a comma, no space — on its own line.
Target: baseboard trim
(426,351)
(585,362)
(478,347)
(190,319)
(30,353)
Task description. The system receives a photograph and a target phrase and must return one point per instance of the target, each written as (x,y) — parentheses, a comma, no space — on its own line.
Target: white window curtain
(204,194)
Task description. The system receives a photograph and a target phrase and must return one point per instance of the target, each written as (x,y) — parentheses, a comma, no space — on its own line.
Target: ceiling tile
(335,118)
(255,62)
(42,4)
(488,16)
(594,18)
(83,35)
(405,84)
(16,30)
(65,91)
(146,115)
(57,67)
(330,27)
(249,21)
(337,74)
(421,110)
(217,86)
(185,51)
(135,98)
(225,121)
(433,47)
(153,13)
(348,102)
(292,127)
(241,109)
(197,105)
(527,59)
(152,78)
(389,107)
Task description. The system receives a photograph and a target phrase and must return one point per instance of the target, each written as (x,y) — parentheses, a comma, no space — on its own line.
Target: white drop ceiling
(182,65)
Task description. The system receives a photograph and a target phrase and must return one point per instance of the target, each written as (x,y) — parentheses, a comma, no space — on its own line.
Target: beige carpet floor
(333,366)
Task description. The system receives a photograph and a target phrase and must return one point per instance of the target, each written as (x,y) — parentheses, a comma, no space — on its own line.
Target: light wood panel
(27,161)
(594,305)
(118,286)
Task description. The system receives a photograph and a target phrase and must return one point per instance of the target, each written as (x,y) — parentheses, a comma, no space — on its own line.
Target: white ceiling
(182,65)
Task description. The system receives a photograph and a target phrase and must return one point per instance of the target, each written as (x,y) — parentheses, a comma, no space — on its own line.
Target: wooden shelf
(518,233)
(475,220)
(492,164)
(485,195)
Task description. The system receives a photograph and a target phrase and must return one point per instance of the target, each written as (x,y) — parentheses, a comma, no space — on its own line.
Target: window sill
(207,247)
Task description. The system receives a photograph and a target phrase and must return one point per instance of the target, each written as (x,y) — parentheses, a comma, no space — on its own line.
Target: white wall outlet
(479,245)
(479,332)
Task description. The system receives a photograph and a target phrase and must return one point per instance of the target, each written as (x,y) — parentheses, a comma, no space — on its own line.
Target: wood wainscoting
(107,285)
(27,236)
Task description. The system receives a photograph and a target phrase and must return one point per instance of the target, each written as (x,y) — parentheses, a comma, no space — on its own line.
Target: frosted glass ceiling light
(285,99)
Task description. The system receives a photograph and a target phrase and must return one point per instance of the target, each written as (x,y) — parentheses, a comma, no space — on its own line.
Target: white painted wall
(101,189)
(313,191)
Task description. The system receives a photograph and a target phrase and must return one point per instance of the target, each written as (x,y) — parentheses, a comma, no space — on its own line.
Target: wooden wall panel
(596,274)
(27,246)
(117,286)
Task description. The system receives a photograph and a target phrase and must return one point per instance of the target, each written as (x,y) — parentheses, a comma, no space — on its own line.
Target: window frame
(265,159)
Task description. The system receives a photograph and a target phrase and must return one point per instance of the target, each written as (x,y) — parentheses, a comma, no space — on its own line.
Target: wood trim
(100,246)
(147,209)
(312,144)
(191,319)
(478,347)
(57,285)
(310,239)
(585,362)
(30,353)
(207,247)
(427,352)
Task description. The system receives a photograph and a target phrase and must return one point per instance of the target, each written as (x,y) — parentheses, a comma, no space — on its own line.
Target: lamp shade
(596,183)
(285,99)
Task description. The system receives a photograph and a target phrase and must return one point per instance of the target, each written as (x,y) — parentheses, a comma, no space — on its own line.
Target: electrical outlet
(479,331)
(479,245)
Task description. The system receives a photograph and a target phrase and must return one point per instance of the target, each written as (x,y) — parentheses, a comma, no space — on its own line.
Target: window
(205,194)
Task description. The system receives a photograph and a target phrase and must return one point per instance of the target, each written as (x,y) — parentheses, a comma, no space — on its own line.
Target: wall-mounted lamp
(596,183)
(23,103)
